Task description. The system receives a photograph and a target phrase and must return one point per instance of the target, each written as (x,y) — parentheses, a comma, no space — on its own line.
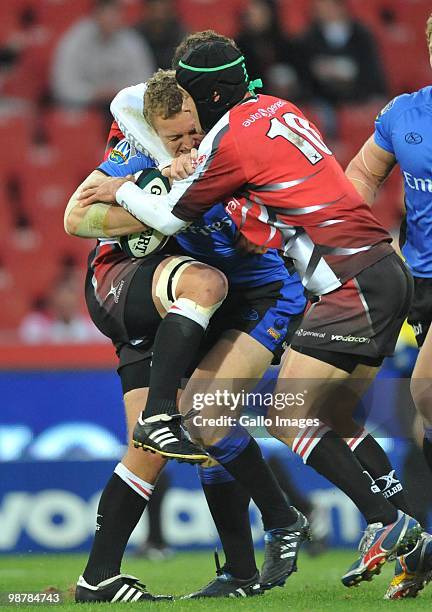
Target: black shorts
(420,313)
(265,313)
(119,299)
(129,317)
(358,323)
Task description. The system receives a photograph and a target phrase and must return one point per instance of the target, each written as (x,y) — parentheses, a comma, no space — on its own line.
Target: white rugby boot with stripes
(121,588)
(165,435)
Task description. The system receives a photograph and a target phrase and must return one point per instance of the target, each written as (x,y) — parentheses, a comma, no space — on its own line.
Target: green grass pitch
(316,586)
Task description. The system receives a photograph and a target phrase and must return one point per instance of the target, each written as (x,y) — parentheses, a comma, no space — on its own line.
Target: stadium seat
(9,19)
(6,224)
(389,207)
(12,311)
(15,135)
(294,15)
(79,135)
(356,123)
(208,14)
(61,14)
(33,272)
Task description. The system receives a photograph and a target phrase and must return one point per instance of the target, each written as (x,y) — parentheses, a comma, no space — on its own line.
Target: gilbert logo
(388,484)
(115,291)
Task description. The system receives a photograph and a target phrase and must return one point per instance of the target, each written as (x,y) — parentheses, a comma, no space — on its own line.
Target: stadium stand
(47,150)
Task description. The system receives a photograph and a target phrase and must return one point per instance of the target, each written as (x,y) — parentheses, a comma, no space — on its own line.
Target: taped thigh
(169,278)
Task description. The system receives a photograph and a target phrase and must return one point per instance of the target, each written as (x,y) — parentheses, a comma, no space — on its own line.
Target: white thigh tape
(164,284)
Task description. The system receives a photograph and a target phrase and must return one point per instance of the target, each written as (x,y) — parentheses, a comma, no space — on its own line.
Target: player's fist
(181,167)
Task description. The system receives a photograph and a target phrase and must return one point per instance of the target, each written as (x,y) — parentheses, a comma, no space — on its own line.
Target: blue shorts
(269,313)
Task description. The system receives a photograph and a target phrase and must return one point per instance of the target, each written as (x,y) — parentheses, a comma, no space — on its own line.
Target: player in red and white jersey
(300,202)
(285,190)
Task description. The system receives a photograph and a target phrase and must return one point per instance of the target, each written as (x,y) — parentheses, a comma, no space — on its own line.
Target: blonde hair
(429,30)
(162,98)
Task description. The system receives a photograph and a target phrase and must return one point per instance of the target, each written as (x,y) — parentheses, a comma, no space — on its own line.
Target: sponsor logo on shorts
(115,291)
(273,333)
(250,315)
(417,329)
(359,339)
(307,332)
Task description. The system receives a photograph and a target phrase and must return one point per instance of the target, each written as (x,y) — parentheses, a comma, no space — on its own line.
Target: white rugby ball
(150,240)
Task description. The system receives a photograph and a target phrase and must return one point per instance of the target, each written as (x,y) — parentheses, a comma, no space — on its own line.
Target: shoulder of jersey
(406,101)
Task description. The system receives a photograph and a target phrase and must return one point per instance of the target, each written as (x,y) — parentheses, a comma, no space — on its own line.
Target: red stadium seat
(10,18)
(389,206)
(6,224)
(294,15)
(208,14)
(15,136)
(61,14)
(79,135)
(356,123)
(47,183)
(406,61)
(12,311)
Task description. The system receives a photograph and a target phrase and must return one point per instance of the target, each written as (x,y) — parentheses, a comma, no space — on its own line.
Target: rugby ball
(150,240)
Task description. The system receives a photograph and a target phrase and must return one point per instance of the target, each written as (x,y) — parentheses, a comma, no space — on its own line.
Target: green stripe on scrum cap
(214,69)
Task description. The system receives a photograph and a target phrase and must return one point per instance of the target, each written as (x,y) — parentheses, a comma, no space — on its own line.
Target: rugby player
(402,137)
(291,194)
(244,349)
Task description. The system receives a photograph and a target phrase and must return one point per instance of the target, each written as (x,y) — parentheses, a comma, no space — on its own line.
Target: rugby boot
(165,435)
(380,544)
(226,585)
(281,550)
(413,570)
(121,588)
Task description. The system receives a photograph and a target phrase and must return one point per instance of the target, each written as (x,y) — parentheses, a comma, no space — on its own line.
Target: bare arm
(369,169)
(98,220)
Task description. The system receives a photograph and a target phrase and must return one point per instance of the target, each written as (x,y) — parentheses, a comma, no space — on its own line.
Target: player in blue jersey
(402,136)
(261,312)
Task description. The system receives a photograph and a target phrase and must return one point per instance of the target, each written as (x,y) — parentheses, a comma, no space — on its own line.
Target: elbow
(70,223)
(171,226)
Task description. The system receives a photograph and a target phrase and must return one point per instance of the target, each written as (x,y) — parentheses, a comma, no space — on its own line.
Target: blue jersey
(211,239)
(403,128)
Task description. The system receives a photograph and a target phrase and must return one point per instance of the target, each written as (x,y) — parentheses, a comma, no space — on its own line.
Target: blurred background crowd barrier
(61,62)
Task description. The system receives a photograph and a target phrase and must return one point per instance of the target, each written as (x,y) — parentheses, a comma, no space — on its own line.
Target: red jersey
(284,189)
